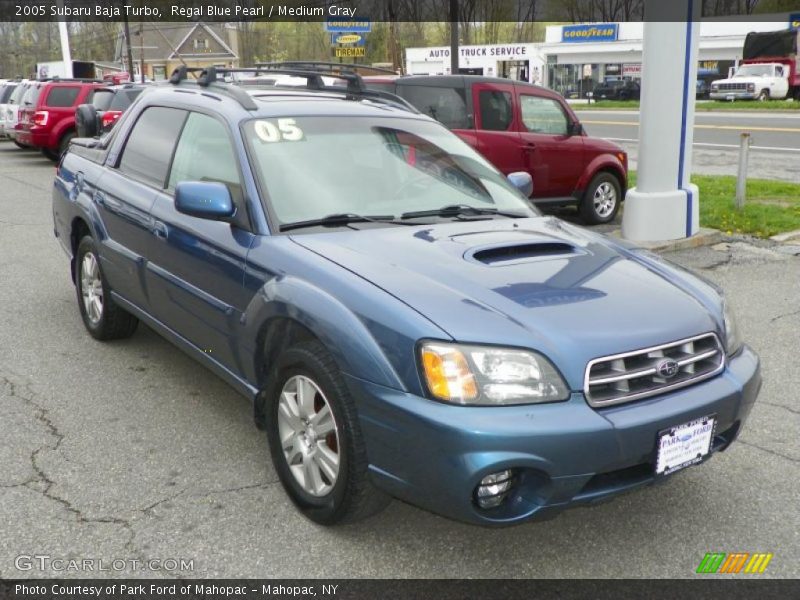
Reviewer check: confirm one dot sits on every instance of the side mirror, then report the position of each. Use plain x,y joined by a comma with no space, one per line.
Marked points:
86,120
522,181
204,199
575,128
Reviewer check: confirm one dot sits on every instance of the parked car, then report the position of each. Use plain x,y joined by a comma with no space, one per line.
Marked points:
618,89
47,114
518,126
107,105
11,120
702,88
402,319
6,89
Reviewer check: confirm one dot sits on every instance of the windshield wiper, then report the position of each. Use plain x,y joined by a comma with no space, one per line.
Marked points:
455,210
341,219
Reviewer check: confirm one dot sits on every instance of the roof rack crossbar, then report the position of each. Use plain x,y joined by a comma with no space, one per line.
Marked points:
331,67
207,78
355,87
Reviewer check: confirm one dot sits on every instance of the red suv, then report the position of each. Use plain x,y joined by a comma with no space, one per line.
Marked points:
47,114
523,127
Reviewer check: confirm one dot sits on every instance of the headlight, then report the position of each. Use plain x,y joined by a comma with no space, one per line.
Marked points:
484,375
714,87
751,87
733,340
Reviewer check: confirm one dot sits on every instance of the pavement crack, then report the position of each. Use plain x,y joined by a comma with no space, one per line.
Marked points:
783,406
254,486
42,483
768,451
149,508
791,314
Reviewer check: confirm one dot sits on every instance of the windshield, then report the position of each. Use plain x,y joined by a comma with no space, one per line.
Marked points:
6,91
17,94
31,96
312,167
102,99
754,71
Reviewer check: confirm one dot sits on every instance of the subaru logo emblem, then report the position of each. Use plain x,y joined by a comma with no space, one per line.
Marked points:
667,368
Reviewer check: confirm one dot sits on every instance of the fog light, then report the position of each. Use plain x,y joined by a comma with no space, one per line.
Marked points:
493,489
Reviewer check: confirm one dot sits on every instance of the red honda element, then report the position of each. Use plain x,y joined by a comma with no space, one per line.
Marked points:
523,127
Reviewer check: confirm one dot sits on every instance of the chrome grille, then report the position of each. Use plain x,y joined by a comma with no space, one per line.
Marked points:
733,87
634,375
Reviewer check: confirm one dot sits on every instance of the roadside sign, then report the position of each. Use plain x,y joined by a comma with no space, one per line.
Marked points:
349,51
348,39
794,21
356,25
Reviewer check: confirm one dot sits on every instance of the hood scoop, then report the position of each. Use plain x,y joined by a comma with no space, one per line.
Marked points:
516,252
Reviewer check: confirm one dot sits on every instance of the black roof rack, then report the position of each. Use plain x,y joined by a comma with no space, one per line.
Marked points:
355,85
208,79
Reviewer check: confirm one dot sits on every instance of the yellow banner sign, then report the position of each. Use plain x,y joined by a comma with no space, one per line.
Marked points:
350,52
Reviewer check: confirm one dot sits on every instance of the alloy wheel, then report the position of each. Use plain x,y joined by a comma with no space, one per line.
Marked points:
91,288
605,199
309,435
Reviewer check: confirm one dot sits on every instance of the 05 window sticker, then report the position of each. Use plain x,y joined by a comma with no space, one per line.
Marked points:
282,130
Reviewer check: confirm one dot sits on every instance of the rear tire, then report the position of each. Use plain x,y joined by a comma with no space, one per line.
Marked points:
601,199
315,439
63,144
102,317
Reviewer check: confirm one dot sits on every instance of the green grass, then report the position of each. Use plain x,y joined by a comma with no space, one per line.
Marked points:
771,207
700,106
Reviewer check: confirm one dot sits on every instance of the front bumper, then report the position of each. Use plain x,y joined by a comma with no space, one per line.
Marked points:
566,454
733,95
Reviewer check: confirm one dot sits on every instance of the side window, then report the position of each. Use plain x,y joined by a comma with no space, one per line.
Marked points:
496,111
446,105
61,97
205,153
149,147
543,115
779,71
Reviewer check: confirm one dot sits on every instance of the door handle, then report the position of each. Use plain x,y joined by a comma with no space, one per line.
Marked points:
100,198
159,229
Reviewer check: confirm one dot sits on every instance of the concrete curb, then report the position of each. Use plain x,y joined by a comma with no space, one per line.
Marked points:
790,237
704,237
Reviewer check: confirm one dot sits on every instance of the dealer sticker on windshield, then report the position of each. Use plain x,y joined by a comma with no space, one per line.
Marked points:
684,445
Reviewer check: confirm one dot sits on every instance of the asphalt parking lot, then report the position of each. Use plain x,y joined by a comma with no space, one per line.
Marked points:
131,450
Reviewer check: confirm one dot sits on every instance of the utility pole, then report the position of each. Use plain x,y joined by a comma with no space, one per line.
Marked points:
454,37
141,51
129,50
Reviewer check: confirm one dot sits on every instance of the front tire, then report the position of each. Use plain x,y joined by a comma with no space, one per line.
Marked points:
315,439
102,317
763,96
601,199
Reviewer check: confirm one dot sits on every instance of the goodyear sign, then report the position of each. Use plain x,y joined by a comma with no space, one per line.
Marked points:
347,39
601,32
355,25
794,21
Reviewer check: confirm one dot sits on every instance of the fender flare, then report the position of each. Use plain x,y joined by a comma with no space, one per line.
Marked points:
604,162
340,330
58,132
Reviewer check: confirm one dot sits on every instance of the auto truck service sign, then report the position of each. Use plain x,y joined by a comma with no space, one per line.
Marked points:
601,32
